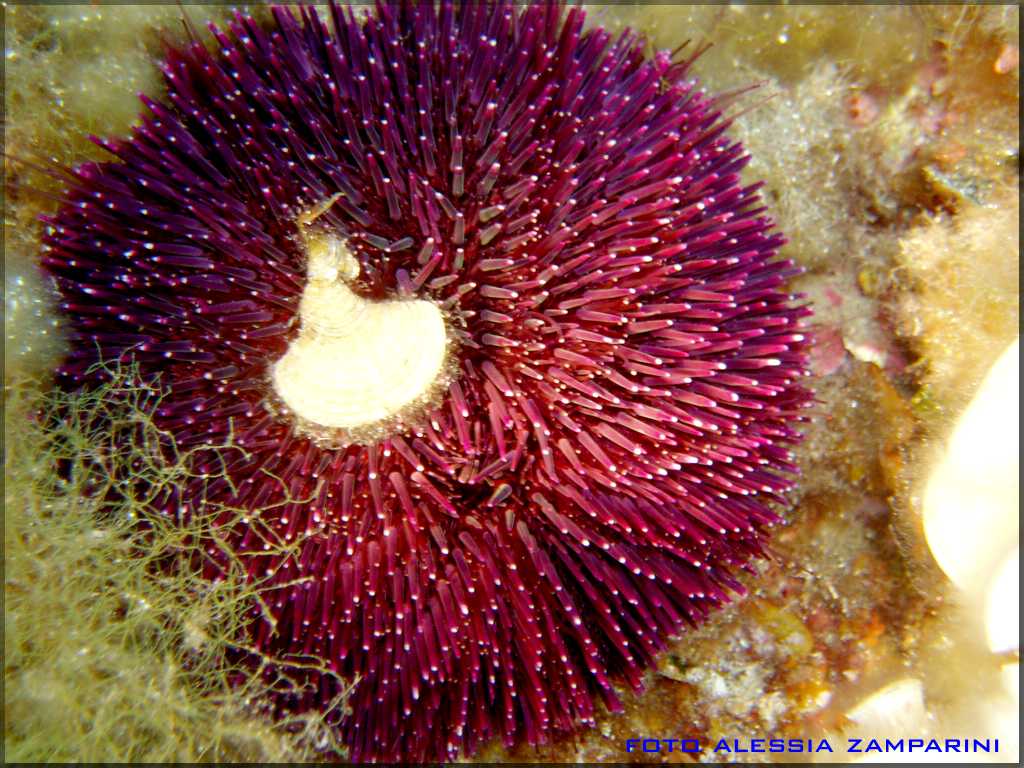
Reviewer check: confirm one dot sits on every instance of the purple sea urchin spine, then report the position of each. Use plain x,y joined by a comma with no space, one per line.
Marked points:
625,363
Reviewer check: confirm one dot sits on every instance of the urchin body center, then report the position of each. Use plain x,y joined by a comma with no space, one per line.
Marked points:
356,361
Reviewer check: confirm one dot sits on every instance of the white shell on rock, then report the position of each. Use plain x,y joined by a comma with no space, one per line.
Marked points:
1002,612
971,503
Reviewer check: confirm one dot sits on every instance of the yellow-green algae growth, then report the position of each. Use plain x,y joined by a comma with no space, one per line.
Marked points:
888,141
115,647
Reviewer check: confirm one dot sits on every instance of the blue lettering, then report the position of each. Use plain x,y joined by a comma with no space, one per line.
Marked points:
915,744
933,746
777,745
823,746
668,745
722,746
757,745
894,746
873,746
689,745
985,745
855,746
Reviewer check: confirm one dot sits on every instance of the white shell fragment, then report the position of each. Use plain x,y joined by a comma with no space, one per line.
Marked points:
356,361
972,499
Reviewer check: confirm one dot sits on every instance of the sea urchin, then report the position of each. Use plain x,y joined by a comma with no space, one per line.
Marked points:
502,336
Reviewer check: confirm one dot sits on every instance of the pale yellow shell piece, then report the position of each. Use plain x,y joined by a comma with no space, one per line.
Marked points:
356,361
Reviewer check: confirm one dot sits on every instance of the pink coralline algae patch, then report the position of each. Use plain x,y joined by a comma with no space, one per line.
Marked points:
828,353
627,361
